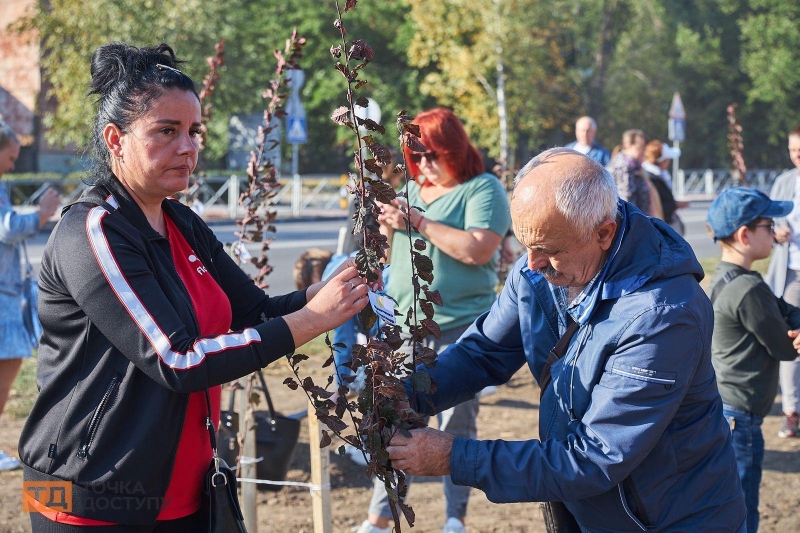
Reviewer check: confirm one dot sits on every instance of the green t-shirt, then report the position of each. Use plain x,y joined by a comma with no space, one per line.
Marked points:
467,290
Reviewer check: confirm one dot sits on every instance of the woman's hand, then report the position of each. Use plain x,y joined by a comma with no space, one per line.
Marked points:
334,302
393,215
350,262
48,203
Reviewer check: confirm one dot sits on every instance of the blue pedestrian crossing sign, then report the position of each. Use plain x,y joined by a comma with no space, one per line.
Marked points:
676,128
297,130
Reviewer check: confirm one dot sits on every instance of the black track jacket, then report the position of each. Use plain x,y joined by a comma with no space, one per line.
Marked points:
121,352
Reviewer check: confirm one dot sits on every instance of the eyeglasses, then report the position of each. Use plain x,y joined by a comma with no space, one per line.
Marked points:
430,155
771,226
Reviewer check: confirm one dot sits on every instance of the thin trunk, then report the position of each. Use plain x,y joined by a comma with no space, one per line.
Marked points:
606,45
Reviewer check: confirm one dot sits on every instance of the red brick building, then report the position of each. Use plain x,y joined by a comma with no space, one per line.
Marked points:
22,92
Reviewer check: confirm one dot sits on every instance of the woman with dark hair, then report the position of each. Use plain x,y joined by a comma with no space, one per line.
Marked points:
145,316
465,217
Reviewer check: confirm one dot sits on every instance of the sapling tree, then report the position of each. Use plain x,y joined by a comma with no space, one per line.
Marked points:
262,186
736,147
382,407
215,62
262,183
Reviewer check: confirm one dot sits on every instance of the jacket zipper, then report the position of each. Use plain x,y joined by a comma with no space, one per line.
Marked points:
625,503
94,423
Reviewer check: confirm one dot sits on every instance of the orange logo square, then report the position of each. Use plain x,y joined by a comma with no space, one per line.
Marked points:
46,496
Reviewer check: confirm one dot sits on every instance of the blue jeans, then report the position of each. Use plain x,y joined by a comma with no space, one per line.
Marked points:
748,444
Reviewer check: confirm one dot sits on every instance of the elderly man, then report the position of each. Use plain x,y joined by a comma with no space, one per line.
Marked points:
607,313
585,133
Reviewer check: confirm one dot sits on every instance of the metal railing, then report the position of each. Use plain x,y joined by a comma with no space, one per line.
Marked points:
327,192
710,182
297,194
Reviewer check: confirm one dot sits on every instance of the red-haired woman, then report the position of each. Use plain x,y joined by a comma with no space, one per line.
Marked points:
465,217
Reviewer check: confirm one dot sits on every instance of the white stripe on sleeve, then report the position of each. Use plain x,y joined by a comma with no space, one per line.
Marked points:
142,317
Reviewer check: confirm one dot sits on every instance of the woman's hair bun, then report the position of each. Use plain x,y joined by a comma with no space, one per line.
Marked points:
117,63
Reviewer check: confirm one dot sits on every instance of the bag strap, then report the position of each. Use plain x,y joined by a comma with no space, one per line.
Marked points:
28,267
729,276
558,351
269,399
210,427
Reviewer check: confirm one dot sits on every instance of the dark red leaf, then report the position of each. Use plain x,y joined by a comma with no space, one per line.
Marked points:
362,101
360,85
341,115
350,5
381,153
434,297
384,192
373,167
371,125
325,441
291,383
412,142
359,50
425,355
432,327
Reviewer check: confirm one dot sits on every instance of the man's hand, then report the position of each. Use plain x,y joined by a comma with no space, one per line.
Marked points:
426,453
782,234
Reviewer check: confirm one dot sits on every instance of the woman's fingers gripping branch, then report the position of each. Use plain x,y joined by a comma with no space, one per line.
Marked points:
341,297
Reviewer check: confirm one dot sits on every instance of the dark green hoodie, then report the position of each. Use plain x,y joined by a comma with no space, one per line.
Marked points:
750,339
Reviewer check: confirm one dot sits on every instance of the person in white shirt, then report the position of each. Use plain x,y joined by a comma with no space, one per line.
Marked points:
585,134
783,277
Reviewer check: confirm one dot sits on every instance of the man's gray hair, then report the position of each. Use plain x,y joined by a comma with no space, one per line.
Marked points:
586,196
592,121
7,135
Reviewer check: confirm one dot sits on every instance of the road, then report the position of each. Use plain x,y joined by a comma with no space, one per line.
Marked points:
293,238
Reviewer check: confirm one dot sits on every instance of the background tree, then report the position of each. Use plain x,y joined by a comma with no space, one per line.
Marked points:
456,48
618,60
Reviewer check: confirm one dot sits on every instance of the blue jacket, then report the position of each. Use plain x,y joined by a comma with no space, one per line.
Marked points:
14,228
597,152
633,435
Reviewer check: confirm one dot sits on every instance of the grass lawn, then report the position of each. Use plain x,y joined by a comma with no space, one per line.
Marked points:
23,390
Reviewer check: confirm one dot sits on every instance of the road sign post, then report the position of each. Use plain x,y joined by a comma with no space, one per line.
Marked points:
676,131
296,130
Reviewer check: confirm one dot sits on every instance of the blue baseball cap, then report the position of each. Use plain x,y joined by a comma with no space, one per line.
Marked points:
739,206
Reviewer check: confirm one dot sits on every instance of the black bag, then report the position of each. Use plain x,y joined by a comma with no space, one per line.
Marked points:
220,497
276,438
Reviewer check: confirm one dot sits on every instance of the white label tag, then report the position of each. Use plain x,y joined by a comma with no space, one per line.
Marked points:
241,252
383,307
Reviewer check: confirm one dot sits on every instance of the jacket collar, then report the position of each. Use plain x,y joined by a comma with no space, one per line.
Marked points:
130,210
642,250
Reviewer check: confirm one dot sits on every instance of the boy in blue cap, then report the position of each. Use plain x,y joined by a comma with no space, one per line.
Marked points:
750,327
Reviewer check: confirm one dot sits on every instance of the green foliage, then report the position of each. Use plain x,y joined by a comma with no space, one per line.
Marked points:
23,390
458,45
71,30
617,58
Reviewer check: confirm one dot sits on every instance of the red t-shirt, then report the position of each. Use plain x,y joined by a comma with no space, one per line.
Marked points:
213,311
